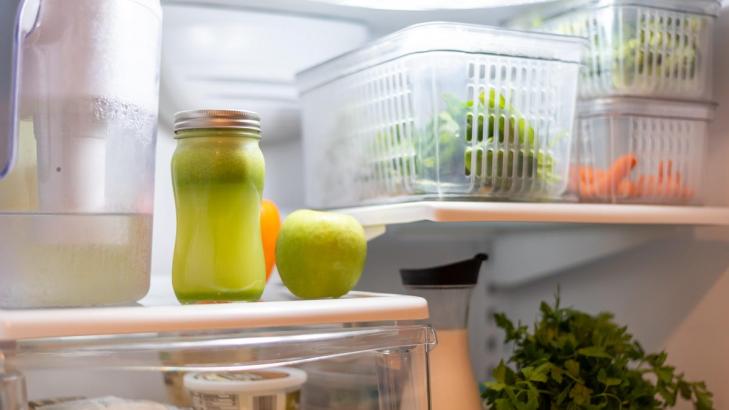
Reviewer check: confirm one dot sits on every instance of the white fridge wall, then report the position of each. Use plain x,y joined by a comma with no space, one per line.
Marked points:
222,57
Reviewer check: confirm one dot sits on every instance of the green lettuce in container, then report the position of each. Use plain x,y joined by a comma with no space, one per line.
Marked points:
511,148
640,51
454,143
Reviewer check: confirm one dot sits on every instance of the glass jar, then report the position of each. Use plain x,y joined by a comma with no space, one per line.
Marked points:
217,175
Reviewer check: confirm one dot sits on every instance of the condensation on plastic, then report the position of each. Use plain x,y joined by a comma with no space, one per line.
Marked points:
652,156
400,128
642,48
91,95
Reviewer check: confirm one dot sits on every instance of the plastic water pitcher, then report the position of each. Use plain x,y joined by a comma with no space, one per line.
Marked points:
448,292
79,90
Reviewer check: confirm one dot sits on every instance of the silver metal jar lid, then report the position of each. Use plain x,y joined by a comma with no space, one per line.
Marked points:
228,119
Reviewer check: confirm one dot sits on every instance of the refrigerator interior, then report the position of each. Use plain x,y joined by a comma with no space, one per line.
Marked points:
669,285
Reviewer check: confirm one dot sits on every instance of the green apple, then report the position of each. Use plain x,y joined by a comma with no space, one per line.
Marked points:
320,254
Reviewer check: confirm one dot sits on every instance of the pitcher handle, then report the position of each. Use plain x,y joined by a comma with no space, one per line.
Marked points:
9,79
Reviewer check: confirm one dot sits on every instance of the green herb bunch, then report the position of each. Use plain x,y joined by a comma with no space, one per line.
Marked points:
573,360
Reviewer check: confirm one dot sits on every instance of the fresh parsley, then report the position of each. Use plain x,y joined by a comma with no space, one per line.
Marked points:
573,361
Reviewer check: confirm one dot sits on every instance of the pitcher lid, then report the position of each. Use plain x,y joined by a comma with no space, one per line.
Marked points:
463,273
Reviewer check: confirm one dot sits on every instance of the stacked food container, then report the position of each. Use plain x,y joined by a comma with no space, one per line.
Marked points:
442,111
645,97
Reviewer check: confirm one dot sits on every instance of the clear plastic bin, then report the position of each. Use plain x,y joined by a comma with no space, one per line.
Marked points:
646,48
633,150
342,384
279,354
158,368
441,110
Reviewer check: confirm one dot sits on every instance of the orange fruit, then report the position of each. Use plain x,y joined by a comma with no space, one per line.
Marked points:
270,226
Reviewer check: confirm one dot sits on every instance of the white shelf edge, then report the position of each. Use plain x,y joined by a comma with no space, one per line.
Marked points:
436,211
357,307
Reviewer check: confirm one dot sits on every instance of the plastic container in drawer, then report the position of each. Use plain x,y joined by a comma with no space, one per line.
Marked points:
646,48
441,110
633,150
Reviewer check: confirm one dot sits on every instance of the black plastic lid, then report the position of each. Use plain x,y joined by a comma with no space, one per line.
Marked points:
462,273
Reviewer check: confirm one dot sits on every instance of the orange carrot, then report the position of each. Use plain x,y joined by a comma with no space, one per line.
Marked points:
626,189
588,175
586,190
574,180
619,170
677,190
686,193
649,185
665,169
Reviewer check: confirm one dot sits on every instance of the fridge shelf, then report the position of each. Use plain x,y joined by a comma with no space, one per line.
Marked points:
376,217
166,315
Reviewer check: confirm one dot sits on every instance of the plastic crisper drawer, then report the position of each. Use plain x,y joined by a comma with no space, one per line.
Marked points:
648,48
441,110
633,150
271,355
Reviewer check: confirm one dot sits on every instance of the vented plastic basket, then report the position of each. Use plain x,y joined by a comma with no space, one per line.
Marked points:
633,150
441,110
648,48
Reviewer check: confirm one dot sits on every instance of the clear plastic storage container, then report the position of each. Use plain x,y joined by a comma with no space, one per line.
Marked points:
633,150
276,355
441,110
647,48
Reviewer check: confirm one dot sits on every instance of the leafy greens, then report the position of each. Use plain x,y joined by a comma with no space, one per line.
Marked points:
572,361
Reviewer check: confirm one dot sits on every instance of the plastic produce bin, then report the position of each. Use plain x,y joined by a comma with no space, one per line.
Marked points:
633,150
646,48
342,384
272,355
441,110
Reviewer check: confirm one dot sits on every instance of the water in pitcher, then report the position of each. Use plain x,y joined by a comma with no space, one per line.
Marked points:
73,259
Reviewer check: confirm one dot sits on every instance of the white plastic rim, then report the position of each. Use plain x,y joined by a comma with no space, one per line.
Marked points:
440,36
707,7
647,107
292,379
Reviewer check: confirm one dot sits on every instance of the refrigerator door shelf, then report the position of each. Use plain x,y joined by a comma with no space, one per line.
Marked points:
357,307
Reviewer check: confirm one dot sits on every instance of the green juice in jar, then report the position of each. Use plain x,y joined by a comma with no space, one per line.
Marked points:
218,174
